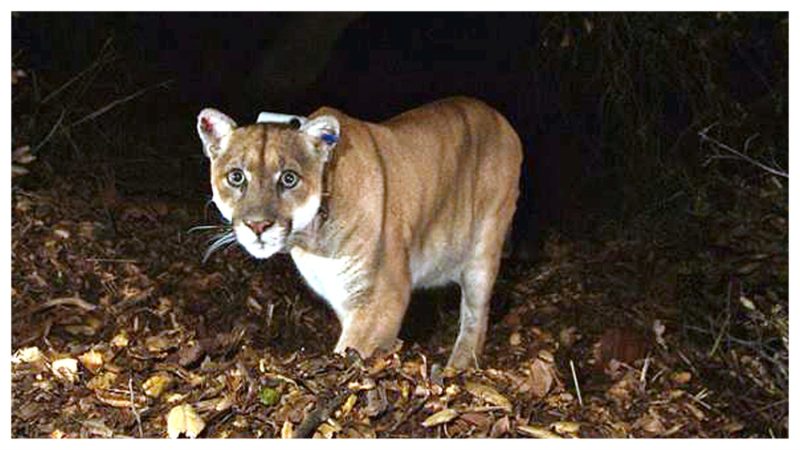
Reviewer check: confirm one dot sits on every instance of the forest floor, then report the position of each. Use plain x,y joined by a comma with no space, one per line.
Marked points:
120,329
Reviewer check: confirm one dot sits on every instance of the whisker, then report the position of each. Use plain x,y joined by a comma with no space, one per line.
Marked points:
206,227
220,242
219,236
222,239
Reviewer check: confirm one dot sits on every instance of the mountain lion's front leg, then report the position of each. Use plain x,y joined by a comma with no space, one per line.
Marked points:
374,321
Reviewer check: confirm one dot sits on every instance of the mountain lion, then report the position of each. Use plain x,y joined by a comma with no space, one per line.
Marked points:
370,211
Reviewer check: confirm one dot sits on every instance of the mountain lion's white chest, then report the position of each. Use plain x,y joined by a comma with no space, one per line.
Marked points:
335,279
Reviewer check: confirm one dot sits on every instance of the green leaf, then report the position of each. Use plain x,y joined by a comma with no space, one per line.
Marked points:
269,396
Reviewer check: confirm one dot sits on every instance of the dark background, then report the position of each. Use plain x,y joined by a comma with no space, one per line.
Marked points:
573,85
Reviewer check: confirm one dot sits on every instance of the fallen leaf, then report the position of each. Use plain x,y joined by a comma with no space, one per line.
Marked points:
102,381
568,336
696,412
565,427
348,405
478,419
26,355
16,75
658,331
622,391
500,428
650,423
537,432
681,377
190,353
175,397
183,419
92,360
115,398
287,430
624,345
157,384
443,416
120,340
269,396
98,428
376,402
224,403
452,390
329,429
65,369
488,394
57,434
747,303
161,343
541,378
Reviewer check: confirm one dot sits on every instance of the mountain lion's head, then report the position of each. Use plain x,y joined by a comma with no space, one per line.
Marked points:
266,178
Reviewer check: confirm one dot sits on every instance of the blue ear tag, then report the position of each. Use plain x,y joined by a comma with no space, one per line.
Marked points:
329,139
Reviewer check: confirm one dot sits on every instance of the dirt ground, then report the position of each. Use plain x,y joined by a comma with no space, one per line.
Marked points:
119,329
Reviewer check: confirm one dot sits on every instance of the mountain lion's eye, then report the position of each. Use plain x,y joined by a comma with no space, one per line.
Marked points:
289,179
236,177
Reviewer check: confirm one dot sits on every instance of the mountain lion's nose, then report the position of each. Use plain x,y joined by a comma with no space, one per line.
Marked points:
258,226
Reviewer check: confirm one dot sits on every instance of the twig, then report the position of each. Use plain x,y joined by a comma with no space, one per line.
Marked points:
706,138
52,131
408,413
699,398
643,377
113,260
657,375
756,346
270,310
718,339
688,363
481,409
325,407
76,150
766,407
118,102
575,380
71,301
80,74
133,407
248,379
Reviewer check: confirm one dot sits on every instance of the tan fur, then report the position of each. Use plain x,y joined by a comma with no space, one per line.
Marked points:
420,200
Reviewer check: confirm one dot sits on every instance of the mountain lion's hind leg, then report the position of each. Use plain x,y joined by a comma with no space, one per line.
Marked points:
477,280
476,292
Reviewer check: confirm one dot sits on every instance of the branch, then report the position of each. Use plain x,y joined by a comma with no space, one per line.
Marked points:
118,102
52,131
96,64
326,405
704,137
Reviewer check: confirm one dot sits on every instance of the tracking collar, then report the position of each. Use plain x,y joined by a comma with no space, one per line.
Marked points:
297,122
273,117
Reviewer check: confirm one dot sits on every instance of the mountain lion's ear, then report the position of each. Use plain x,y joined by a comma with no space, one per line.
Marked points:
324,133
212,126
